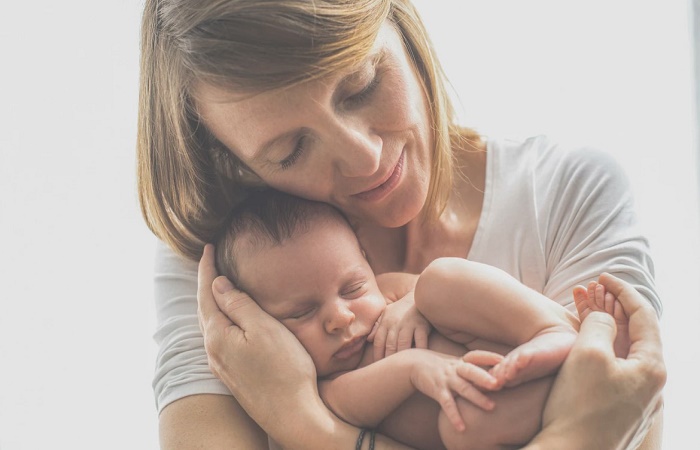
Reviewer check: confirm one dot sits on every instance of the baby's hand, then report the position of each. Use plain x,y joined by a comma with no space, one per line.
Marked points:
399,326
440,377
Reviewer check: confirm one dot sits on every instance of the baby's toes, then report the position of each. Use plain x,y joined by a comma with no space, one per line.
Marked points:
581,301
592,296
600,297
609,302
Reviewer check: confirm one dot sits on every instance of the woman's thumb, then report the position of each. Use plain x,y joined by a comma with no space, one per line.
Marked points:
597,332
235,304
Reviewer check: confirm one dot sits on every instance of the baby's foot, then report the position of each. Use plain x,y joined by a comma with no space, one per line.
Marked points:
597,298
540,356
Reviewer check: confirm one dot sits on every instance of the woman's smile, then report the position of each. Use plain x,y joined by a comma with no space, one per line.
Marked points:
386,186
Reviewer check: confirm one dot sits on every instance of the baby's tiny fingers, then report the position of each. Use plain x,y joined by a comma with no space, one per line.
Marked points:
379,344
449,406
391,346
421,337
482,358
477,375
468,392
405,339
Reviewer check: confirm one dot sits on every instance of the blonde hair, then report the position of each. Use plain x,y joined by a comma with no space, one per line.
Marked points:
187,180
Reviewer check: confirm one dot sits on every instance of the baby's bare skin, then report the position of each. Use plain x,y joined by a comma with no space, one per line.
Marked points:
541,356
596,297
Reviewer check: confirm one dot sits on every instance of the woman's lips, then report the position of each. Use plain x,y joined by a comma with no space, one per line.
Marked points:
351,348
379,192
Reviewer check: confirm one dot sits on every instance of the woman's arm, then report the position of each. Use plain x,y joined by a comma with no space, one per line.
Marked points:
195,408
208,421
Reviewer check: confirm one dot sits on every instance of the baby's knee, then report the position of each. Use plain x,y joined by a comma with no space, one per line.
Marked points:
433,280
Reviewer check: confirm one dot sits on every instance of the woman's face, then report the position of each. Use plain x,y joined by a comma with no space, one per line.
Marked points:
360,140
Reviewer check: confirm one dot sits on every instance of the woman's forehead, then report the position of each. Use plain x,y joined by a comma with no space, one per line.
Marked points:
387,40
244,121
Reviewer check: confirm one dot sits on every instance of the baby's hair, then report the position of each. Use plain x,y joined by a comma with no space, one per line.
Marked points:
266,218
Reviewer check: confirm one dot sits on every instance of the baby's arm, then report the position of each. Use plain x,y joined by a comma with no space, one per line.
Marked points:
366,396
465,300
400,325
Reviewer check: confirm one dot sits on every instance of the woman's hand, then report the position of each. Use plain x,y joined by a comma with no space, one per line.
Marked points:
260,361
594,390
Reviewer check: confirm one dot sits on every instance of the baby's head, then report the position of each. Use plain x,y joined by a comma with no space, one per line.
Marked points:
301,261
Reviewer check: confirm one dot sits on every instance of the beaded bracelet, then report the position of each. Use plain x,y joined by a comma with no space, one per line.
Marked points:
361,438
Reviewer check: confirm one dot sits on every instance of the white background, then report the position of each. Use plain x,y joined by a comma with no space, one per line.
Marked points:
76,311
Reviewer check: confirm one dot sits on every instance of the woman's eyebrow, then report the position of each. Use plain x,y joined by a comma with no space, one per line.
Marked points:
374,60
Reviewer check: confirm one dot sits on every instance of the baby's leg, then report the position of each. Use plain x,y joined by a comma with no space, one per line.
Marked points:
465,300
542,355
514,422
597,298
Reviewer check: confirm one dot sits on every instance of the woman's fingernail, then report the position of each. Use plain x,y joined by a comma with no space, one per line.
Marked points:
222,285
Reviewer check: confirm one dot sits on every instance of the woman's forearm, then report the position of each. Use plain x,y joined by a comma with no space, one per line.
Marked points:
209,421
315,427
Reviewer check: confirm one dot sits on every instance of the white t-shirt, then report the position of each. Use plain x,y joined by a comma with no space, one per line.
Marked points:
553,217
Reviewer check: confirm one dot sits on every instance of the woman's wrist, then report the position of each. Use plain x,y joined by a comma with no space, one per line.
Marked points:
315,426
310,424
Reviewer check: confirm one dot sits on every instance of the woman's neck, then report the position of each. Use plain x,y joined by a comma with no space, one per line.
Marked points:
412,247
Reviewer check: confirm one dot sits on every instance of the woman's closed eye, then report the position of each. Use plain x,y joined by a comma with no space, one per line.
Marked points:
296,153
365,93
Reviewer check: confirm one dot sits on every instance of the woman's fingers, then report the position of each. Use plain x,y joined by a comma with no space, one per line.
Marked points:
644,331
208,310
597,334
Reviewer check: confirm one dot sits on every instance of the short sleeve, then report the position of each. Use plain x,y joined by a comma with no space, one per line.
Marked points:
555,217
591,226
181,365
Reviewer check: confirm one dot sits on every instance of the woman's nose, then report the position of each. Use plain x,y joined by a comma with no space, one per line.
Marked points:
358,152
338,317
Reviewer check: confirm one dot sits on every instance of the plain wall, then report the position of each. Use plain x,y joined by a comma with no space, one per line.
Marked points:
76,311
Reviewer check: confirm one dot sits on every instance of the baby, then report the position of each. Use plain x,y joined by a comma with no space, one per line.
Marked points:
303,264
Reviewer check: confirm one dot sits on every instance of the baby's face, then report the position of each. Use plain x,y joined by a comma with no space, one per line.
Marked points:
321,287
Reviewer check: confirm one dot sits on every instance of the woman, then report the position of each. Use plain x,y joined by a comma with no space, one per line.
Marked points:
341,102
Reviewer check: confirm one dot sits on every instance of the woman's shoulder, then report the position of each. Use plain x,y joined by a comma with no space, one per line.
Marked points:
541,162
